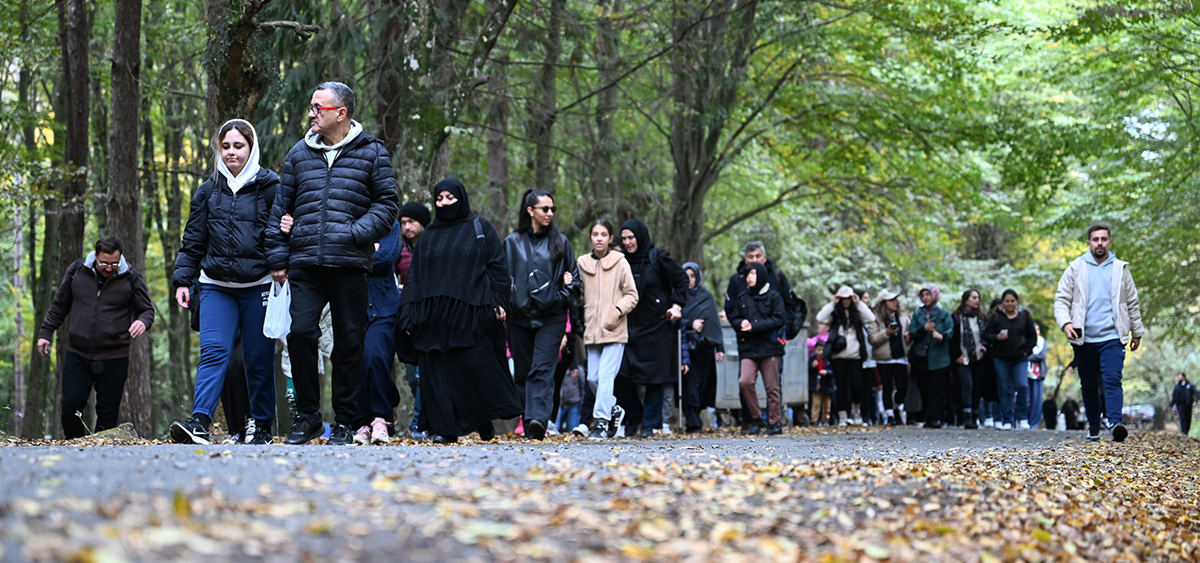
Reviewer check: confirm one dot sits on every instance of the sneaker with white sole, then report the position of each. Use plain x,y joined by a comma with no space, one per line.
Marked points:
1119,433
1005,426
617,420
1023,425
1093,434
190,431
362,436
379,431
580,431
599,430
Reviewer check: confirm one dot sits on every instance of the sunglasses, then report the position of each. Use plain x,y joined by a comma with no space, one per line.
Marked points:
547,208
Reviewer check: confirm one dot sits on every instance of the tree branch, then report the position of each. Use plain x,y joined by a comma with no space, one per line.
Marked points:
305,31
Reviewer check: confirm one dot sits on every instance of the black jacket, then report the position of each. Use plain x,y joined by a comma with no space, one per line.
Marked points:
1021,336
1184,395
795,310
537,289
100,313
339,211
226,232
765,311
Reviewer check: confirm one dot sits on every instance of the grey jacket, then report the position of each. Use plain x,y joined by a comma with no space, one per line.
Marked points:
1071,300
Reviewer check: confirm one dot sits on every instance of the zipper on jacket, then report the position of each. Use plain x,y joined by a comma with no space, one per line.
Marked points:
324,212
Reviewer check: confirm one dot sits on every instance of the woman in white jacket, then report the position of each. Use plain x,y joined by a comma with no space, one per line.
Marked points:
848,318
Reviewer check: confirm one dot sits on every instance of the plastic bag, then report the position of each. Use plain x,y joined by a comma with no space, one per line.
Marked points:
279,311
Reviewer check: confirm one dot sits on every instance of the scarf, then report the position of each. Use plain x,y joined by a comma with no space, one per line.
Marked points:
702,305
645,244
249,171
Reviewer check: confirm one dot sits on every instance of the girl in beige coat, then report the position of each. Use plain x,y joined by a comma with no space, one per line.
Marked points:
609,294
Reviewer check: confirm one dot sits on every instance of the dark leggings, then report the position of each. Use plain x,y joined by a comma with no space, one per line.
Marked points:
894,378
848,374
970,383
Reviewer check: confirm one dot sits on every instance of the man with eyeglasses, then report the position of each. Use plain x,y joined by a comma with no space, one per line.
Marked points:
337,198
99,294
1097,307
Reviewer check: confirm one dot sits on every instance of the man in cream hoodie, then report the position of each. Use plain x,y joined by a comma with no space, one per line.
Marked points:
1097,307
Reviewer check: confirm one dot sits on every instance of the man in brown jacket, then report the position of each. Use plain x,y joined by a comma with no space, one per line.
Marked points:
100,294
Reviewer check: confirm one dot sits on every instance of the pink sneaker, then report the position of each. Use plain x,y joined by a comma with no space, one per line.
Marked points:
363,435
379,431
520,431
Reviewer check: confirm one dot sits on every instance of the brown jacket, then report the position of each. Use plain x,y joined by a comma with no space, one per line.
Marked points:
100,314
609,294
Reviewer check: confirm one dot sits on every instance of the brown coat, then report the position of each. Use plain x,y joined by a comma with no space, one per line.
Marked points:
609,294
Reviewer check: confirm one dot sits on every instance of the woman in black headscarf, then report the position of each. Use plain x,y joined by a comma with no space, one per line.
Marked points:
652,353
453,306
706,346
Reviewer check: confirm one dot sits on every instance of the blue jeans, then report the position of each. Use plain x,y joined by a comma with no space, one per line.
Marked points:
1012,376
378,396
1096,362
225,312
1036,388
568,416
413,375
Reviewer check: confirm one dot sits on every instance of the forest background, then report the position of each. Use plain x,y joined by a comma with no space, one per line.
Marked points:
878,143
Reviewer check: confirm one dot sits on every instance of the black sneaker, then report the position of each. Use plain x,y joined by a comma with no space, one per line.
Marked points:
303,430
487,431
535,429
190,431
774,430
261,436
340,435
440,439
752,428
647,432
618,417
600,430
1119,433
1093,434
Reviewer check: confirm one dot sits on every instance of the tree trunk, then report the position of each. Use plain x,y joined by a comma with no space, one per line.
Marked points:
543,110
125,203
25,103
497,152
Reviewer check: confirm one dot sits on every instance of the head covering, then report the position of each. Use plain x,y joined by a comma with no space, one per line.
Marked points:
933,291
642,233
250,170
417,212
844,292
695,268
457,211
701,305
761,280
888,295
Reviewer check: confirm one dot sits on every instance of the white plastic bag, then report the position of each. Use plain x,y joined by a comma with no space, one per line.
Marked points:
279,311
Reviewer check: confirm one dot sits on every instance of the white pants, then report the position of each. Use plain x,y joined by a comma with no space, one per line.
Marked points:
604,361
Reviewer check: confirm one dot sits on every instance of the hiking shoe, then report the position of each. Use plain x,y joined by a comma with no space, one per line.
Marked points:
379,431
618,417
535,430
261,436
580,431
339,435
303,430
1119,433
487,431
774,430
190,431
362,436
600,430
1093,434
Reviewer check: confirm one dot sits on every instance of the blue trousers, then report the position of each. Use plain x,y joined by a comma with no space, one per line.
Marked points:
1036,389
224,313
1012,376
568,418
1096,362
378,396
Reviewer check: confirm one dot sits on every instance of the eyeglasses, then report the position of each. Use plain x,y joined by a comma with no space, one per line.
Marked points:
108,264
313,110
547,208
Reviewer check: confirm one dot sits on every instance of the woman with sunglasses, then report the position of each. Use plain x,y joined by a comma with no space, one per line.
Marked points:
545,284
224,251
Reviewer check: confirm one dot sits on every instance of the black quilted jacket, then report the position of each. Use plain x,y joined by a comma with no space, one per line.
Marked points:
339,211
225,232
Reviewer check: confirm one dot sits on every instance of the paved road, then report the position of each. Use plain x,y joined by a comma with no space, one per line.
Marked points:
55,499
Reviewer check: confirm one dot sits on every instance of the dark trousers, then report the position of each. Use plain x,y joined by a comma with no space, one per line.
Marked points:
704,365
933,390
848,379
535,355
345,290
1185,419
895,381
1100,363
970,384
235,394
412,375
80,375
648,410
378,396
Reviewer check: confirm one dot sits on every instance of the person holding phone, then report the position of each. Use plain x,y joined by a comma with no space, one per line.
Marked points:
890,338
1011,336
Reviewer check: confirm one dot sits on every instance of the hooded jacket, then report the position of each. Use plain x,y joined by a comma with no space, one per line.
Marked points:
764,308
100,313
225,236
342,199
1071,300
609,294
794,308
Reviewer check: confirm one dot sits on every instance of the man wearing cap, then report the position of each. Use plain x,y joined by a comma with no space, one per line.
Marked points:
414,217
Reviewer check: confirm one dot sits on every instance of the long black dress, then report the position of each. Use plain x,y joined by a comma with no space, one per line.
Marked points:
700,382
458,280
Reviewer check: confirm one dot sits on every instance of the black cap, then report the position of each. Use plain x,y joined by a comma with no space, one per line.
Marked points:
417,212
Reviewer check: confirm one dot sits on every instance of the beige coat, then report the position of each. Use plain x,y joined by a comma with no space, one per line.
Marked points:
609,294
881,349
1071,300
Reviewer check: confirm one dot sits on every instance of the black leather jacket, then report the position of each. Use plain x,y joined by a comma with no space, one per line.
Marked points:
537,289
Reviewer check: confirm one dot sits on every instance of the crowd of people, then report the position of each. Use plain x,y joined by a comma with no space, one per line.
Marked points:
488,327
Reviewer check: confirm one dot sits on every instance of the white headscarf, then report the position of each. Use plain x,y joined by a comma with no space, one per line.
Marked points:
249,171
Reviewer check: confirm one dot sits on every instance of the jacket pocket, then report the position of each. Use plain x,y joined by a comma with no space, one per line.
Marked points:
611,319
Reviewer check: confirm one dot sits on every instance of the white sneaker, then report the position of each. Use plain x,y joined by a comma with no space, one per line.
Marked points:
1006,426
666,429
552,430
580,431
1023,425
989,423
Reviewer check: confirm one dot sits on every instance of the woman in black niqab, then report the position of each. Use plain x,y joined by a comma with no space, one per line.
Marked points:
453,307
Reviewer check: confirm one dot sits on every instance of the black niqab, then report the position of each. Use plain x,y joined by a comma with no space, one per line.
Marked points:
458,211
642,233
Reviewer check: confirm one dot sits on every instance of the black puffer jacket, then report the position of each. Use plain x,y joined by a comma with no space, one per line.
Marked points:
538,292
339,211
764,309
226,232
